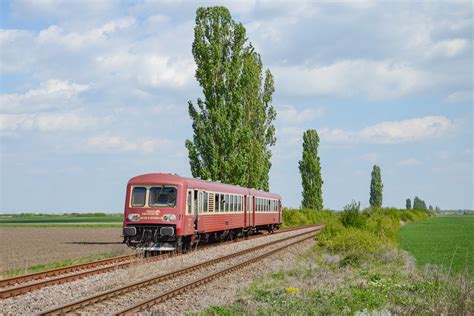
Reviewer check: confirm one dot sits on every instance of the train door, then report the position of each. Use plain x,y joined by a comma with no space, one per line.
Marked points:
195,209
189,211
249,211
200,205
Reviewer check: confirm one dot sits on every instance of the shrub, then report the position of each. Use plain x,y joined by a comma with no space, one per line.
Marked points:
292,217
353,240
351,217
383,226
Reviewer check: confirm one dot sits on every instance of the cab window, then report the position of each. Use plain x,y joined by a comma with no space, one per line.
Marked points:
163,196
138,196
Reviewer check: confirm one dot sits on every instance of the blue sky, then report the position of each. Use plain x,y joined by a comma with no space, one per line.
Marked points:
95,92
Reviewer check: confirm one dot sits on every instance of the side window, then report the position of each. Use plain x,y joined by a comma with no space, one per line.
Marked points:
217,202
226,203
205,201
200,200
138,196
189,202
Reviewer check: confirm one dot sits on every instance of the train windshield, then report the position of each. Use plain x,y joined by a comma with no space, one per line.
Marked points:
164,196
138,196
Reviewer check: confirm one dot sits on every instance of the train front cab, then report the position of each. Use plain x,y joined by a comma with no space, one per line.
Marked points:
152,220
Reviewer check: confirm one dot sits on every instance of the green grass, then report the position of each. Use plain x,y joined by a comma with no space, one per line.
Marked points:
447,241
58,264
357,267
60,221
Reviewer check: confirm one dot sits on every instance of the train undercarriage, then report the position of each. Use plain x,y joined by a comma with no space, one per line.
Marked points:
159,238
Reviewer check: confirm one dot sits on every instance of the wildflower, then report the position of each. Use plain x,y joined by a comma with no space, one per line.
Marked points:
292,290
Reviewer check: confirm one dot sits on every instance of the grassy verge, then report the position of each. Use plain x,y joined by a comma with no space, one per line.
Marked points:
58,264
356,267
447,241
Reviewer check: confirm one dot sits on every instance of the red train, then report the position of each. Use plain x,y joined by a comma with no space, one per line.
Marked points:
166,212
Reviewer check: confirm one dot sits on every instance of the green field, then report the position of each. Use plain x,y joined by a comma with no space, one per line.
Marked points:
60,220
448,241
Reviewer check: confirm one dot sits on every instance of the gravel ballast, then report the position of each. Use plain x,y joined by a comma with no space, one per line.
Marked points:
49,297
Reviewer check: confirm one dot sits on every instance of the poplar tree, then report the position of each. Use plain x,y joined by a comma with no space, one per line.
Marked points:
408,204
233,124
310,170
376,188
419,204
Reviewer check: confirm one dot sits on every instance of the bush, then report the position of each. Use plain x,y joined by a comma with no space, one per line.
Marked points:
383,226
351,217
352,240
292,217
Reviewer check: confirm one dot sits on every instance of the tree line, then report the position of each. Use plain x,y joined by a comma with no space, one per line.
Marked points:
233,124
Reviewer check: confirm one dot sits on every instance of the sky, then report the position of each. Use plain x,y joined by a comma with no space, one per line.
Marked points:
93,93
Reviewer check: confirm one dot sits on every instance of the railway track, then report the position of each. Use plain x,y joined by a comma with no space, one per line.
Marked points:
22,284
112,299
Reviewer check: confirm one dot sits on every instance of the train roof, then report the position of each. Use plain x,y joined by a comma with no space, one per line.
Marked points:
169,178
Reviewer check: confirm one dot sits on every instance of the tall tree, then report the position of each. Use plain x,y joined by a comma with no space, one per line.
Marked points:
419,204
408,204
376,188
310,170
233,126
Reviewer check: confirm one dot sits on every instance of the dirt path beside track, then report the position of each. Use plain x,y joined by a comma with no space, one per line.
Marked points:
23,247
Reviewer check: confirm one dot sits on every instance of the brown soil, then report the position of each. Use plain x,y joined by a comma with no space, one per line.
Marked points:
23,247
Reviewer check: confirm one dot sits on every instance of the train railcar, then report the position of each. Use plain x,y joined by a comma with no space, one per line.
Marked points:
165,212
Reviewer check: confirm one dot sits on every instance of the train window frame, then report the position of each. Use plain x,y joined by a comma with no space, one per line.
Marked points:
205,201
149,195
132,196
189,202
226,203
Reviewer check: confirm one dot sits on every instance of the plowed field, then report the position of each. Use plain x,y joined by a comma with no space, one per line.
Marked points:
23,247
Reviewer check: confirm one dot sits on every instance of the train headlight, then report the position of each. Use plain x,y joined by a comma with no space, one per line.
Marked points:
133,217
169,217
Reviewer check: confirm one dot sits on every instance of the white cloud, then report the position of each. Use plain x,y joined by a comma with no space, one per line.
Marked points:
392,132
56,35
460,96
406,130
448,48
290,115
49,122
373,79
409,162
50,94
15,50
110,143
149,69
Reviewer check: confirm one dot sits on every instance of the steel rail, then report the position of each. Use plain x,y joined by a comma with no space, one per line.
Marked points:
74,306
196,283
64,270
22,289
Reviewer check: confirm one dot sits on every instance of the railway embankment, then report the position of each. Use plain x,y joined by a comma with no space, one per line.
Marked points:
48,297
357,265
